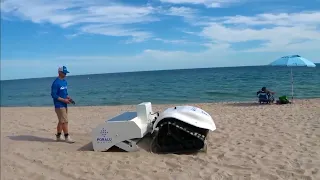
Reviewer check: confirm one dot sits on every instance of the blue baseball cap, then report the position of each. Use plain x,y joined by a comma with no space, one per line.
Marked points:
63,69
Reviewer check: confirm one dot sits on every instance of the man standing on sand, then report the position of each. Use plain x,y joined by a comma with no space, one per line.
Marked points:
61,99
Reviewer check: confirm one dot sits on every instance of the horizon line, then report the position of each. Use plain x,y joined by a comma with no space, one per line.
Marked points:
139,71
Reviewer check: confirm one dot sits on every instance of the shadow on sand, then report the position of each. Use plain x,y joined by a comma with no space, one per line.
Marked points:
30,138
89,147
143,144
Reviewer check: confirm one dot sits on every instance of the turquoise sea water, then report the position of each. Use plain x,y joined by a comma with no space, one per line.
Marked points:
170,86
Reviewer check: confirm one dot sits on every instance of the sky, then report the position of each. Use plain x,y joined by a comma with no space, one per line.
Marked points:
106,36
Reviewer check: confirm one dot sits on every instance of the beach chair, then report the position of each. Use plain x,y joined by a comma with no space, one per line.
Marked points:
176,130
265,98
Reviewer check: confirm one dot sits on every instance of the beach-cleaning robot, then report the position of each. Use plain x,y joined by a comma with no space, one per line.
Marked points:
176,130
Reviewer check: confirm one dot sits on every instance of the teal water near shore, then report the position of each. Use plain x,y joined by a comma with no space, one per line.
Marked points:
168,86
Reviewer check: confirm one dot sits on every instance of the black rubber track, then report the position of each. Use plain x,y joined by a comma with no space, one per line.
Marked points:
175,136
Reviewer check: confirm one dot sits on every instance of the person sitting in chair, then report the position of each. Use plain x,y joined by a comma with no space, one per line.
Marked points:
267,93
265,90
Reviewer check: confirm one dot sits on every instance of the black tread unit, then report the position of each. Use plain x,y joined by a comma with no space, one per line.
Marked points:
175,136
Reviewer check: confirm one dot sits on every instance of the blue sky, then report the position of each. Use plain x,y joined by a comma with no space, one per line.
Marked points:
103,36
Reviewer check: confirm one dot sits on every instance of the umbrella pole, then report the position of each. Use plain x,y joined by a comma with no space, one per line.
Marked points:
291,85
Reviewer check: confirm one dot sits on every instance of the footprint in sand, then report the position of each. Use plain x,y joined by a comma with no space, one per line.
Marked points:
299,171
268,176
315,171
291,175
259,142
220,156
173,166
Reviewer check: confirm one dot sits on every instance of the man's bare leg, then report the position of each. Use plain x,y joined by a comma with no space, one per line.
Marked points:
64,127
66,132
59,127
59,131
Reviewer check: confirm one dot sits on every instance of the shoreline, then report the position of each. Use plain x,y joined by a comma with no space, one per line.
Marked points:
164,104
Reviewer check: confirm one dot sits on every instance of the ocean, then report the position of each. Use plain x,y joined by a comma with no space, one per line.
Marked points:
168,86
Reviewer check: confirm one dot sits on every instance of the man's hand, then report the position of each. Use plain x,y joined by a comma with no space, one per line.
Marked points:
67,101
71,100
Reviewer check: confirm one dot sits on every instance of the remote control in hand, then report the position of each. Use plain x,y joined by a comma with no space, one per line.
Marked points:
72,101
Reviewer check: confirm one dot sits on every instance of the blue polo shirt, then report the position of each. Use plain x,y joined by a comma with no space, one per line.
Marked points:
59,89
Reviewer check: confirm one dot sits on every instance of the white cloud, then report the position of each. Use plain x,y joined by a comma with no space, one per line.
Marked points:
207,3
276,34
279,31
147,60
282,34
175,41
217,55
280,19
113,30
182,11
71,36
99,17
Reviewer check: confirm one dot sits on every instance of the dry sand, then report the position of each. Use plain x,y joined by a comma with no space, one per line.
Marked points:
251,142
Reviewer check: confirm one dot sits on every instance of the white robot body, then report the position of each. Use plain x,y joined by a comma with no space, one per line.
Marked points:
177,129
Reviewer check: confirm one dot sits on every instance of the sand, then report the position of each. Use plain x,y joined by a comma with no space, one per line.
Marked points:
251,142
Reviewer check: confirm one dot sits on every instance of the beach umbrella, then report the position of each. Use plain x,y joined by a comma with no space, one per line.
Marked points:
293,61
